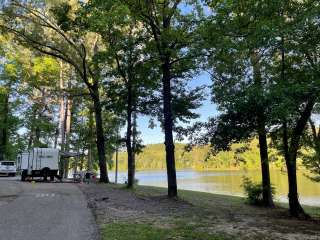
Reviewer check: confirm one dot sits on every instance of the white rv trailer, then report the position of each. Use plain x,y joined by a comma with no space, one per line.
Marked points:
38,162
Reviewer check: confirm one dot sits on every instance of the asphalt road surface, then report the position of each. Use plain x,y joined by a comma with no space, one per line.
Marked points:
50,211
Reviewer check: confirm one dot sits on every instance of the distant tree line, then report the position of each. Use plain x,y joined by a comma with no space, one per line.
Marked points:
240,156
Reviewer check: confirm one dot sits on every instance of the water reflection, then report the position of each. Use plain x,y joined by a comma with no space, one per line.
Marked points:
229,182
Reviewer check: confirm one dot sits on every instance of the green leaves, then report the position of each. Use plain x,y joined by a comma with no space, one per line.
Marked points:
61,13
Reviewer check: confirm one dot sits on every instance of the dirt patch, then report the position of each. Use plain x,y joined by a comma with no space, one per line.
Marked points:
208,213
112,203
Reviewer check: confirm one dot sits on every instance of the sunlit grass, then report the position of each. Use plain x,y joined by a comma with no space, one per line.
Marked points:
138,231
313,211
207,200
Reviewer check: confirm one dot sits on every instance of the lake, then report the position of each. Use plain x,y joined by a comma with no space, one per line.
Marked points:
228,182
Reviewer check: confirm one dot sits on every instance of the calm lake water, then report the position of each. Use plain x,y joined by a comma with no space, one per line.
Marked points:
228,182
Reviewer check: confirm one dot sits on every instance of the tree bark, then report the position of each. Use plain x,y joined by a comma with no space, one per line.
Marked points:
168,129
291,152
56,136
264,158
2,151
4,130
164,53
129,137
95,95
37,137
261,129
134,137
296,209
30,140
91,141
116,170
64,140
62,119
68,116
100,135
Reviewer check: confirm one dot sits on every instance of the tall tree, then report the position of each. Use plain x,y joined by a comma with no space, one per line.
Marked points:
128,78
173,39
11,98
49,29
297,73
239,60
281,82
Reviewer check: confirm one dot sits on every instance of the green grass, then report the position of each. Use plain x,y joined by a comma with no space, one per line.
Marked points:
195,223
311,210
210,200
130,231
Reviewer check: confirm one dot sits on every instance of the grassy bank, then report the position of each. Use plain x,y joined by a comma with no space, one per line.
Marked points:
145,213
210,200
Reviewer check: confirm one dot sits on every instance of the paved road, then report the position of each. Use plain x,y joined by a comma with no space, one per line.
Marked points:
48,211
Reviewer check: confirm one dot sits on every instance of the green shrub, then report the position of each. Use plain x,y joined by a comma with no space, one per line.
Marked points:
253,191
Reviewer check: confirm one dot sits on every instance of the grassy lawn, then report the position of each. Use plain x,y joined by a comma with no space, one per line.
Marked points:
313,211
208,200
176,228
206,217
129,231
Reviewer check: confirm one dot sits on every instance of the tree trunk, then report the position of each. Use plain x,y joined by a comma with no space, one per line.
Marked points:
4,130
100,135
95,95
134,137
68,116
294,205
64,145
296,209
117,157
164,53
37,137
129,137
168,129
62,119
261,127
264,158
2,151
30,140
91,141
116,170
56,136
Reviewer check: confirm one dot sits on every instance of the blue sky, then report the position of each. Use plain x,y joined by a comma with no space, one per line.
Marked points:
208,109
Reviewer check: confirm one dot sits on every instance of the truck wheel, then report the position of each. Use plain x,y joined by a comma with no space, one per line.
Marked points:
51,177
23,176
